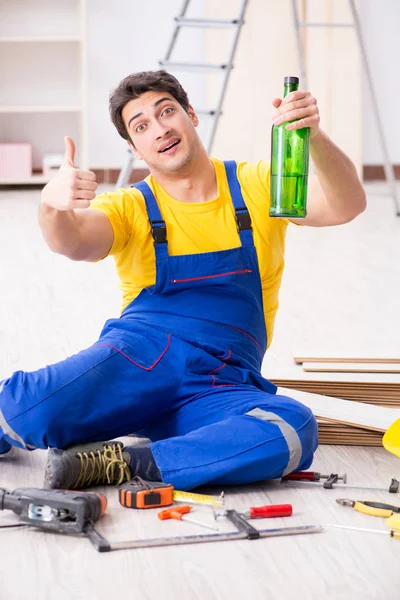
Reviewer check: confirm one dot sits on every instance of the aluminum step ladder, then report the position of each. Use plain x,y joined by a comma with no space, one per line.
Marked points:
214,114
389,169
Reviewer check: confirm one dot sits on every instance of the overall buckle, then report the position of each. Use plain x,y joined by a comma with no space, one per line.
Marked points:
159,233
243,220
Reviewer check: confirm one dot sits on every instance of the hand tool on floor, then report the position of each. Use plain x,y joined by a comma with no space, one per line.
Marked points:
329,485
244,531
178,512
391,533
56,510
139,493
315,476
374,509
260,512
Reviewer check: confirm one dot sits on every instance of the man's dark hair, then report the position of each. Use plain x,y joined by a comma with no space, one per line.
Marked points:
137,84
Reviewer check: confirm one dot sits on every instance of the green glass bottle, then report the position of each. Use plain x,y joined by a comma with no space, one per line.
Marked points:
290,151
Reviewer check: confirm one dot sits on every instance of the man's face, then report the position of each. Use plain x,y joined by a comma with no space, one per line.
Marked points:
162,133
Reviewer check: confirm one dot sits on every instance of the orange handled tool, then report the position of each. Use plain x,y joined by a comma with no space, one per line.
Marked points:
178,512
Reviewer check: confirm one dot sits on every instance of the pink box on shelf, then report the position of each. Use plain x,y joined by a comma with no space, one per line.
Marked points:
15,161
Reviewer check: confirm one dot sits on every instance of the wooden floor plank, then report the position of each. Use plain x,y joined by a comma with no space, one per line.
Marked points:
363,415
343,367
299,360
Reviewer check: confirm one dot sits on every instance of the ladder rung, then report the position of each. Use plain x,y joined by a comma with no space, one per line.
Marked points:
190,66
218,23
304,24
206,113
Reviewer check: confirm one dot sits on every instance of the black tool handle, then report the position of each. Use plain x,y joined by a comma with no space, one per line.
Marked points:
333,478
98,541
242,525
382,505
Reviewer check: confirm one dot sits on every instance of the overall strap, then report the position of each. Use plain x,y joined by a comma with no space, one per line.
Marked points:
158,228
243,219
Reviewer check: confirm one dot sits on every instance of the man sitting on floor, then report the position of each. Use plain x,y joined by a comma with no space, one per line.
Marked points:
200,263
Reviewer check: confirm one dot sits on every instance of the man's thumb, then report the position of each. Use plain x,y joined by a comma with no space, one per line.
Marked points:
69,156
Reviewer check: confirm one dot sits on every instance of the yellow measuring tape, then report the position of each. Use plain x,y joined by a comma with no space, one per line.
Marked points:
193,498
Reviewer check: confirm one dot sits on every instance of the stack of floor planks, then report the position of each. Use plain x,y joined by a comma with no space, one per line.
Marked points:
378,393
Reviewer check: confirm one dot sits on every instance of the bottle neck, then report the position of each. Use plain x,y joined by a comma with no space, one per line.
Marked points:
290,87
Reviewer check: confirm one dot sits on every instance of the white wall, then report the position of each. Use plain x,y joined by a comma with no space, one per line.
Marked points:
380,22
265,54
132,36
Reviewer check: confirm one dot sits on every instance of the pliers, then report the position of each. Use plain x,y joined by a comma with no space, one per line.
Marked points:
375,509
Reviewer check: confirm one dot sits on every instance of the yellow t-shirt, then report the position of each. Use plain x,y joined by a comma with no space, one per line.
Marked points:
196,228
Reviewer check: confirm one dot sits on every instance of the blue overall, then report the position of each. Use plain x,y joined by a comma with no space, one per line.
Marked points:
181,366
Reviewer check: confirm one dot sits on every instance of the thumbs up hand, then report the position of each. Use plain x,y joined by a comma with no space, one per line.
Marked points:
72,187
69,156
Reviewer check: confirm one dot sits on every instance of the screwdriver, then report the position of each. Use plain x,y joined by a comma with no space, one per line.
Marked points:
261,512
178,512
392,533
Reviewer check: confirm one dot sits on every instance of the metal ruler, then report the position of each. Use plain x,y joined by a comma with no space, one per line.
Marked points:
245,531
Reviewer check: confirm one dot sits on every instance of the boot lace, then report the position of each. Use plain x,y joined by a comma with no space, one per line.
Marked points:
103,466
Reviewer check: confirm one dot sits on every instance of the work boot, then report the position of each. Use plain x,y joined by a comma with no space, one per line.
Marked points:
98,463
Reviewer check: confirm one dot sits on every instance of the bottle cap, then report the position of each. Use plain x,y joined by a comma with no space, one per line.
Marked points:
291,80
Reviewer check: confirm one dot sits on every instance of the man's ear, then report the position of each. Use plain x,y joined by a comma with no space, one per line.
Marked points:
194,118
135,152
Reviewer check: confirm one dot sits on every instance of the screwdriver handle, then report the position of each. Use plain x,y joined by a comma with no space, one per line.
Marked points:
273,510
176,512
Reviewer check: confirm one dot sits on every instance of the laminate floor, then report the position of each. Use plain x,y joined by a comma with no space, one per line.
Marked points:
340,296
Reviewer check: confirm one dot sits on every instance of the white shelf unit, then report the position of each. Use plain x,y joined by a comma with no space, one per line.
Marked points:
43,94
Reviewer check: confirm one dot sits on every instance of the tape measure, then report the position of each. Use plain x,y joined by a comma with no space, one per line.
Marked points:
139,493
193,498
